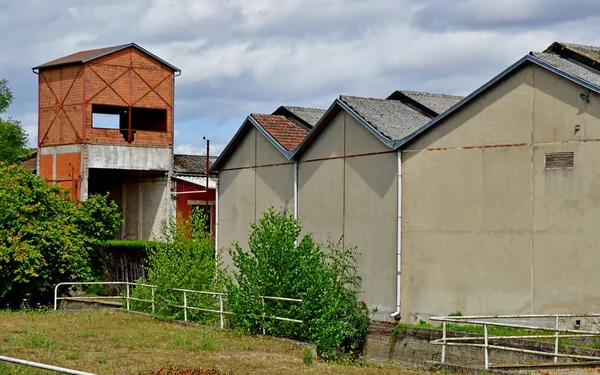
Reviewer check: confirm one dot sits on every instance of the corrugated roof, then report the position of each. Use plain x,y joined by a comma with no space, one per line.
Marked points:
591,52
286,132
200,181
570,66
310,115
191,164
82,57
437,103
393,119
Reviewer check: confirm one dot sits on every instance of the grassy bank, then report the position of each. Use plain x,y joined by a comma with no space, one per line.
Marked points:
120,343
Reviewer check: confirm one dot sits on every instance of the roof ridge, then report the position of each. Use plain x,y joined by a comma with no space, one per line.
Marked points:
361,97
430,93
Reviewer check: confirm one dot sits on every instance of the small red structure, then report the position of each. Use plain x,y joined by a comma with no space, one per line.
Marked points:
190,190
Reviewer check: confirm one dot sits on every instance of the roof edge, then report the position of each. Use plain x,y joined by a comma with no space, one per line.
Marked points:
510,69
115,49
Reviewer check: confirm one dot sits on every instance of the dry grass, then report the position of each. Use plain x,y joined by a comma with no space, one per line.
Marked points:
105,342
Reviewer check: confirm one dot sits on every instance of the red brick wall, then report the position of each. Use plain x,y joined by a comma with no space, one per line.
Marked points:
124,78
184,209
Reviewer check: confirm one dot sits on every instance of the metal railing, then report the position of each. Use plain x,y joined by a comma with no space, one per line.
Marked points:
62,370
185,306
554,332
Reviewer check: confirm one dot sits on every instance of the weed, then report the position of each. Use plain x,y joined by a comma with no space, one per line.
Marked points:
74,356
307,356
38,340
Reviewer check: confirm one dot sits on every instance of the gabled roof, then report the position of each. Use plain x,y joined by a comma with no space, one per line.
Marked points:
191,164
283,133
82,57
306,116
388,120
567,68
431,104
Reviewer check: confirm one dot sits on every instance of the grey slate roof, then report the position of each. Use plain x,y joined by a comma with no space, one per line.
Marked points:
309,115
569,66
438,103
191,164
391,118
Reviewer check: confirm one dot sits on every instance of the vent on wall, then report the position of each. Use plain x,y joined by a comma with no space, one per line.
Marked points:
559,160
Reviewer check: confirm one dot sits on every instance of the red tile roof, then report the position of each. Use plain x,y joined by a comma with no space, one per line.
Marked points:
286,132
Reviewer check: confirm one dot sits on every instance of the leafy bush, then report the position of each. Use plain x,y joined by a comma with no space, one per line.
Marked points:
46,237
185,260
324,277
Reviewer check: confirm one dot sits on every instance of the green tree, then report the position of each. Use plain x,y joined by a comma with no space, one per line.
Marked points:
323,276
46,237
13,138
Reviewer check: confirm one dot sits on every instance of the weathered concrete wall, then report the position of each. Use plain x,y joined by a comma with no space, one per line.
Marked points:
486,227
347,189
255,177
129,157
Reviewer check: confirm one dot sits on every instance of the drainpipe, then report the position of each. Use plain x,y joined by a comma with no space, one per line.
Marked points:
296,195
216,226
396,314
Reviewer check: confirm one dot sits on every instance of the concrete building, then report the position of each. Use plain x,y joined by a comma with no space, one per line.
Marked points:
189,187
484,204
105,124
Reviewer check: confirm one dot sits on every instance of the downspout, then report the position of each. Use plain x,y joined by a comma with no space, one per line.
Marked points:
396,314
216,226
296,195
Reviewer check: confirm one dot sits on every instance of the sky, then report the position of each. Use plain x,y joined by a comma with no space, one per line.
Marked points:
250,56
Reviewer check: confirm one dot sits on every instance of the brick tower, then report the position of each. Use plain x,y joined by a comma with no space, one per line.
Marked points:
105,124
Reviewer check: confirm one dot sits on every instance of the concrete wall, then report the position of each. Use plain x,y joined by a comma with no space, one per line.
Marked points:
486,228
347,189
256,176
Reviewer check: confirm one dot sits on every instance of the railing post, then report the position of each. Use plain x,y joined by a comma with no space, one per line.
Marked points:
184,306
56,296
127,296
264,314
485,338
152,299
556,339
221,308
444,342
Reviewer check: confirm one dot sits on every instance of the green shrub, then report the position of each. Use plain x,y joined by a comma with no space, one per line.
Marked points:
46,237
323,276
185,259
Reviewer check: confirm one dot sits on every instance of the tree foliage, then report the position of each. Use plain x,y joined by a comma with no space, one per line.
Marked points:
13,138
323,276
184,259
45,237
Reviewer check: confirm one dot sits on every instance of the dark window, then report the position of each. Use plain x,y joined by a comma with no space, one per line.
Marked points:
202,208
149,119
560,160
109,116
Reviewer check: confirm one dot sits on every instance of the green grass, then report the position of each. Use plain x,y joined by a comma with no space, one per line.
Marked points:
117,343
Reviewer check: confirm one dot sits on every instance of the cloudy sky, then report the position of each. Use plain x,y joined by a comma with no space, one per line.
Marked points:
242,56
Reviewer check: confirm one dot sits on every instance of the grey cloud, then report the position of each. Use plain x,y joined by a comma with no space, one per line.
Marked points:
440,15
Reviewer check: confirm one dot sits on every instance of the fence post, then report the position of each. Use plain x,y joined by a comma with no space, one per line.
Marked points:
264,314
485,338
444,342
221,308
556,339
56,296
152,299
184,306
127,296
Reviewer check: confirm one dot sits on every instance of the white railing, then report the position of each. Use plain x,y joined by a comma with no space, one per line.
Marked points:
185,305
44,366
496,320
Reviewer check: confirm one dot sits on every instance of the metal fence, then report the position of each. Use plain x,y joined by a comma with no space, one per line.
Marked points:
552,332
185,292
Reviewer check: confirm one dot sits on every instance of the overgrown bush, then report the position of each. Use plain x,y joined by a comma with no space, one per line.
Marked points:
323,276
183,259
46,237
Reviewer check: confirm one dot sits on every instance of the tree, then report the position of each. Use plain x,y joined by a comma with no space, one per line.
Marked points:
277,264
13,138
46,237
